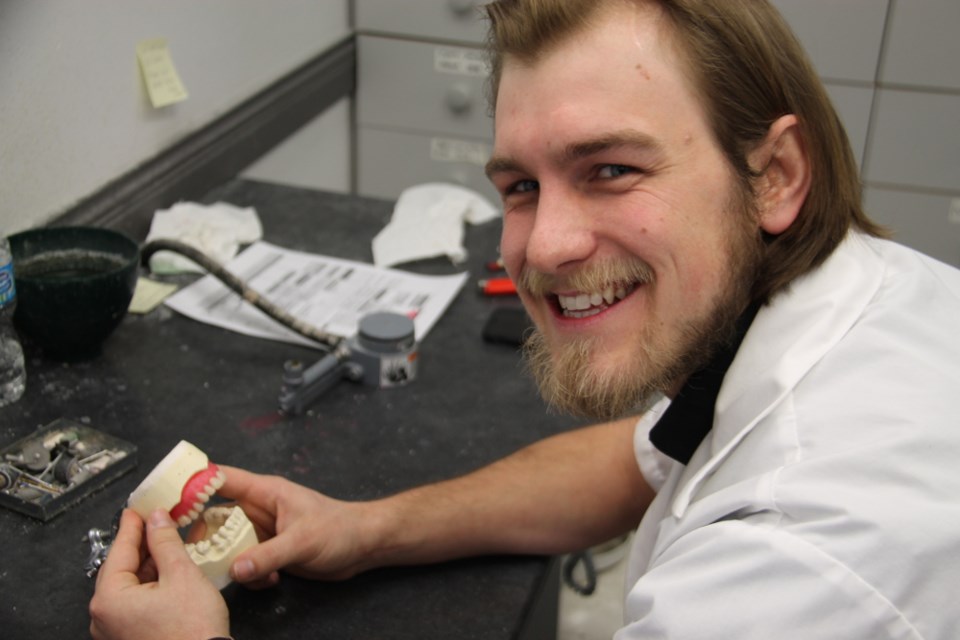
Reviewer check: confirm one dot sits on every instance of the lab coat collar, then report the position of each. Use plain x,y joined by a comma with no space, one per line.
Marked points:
787,338
689,418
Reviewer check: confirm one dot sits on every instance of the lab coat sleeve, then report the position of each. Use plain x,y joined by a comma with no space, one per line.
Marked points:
748,579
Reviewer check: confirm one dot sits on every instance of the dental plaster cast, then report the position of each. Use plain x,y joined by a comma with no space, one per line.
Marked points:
183,483
228,533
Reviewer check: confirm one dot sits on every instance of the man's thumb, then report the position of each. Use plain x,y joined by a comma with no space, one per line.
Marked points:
164,541
257,567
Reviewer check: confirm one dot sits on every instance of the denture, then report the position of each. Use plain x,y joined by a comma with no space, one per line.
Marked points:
183,483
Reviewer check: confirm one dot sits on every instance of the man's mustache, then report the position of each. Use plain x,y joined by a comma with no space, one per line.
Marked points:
593,277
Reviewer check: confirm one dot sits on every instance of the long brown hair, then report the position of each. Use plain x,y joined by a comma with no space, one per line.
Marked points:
749,70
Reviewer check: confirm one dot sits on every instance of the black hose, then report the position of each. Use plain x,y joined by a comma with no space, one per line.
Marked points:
589,585
217,270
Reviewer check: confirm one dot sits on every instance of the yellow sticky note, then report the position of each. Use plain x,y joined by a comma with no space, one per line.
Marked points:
149,294
163,82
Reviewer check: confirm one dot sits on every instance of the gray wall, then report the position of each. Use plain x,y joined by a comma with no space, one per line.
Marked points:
891,67
73,111
317,156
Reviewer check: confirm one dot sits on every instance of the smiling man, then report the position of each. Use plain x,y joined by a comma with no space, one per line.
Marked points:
682,216
624,224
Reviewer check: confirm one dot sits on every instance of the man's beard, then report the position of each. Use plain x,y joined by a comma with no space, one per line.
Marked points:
570,382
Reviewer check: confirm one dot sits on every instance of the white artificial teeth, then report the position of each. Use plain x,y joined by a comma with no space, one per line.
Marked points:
229,532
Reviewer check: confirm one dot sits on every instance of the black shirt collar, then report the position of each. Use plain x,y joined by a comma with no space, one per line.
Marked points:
689,418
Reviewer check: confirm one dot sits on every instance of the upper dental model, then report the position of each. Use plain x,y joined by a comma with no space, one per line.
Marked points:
183,483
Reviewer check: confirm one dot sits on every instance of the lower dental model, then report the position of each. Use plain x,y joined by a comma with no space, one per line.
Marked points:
228,533
183,483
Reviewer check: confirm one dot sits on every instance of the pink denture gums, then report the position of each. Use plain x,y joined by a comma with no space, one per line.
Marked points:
195,486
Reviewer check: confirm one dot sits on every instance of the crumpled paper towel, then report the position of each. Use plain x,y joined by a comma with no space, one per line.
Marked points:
428,222
217,230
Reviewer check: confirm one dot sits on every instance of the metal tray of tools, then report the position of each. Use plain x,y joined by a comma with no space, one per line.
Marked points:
61,463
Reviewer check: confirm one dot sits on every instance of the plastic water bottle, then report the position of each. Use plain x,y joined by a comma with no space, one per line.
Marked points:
13,375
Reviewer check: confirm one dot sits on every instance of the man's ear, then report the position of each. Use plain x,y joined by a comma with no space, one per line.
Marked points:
784,168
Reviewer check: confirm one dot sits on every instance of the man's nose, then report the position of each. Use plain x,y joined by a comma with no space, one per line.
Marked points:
562,235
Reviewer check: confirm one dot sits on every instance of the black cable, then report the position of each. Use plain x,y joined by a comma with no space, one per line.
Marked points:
241,288
587,587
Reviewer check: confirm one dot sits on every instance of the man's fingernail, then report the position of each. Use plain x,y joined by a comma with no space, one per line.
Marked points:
160,518
242,570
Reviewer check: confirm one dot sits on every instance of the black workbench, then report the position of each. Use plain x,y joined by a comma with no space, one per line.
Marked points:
162,377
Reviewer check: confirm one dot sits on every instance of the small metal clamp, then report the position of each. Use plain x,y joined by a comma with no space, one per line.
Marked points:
99,548
100,541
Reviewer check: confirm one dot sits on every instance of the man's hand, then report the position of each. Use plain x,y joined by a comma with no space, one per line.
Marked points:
180,603
301,531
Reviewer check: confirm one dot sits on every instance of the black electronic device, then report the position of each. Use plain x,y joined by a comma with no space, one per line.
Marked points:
507,325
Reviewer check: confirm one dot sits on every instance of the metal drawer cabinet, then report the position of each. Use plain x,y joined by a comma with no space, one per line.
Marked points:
421,86
391,161
456,20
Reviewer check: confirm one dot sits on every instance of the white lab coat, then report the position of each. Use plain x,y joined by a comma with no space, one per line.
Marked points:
825,502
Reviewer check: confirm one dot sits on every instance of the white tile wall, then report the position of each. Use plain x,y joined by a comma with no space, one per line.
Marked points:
842,37
853,104
915,140
930,221
922,48
912,165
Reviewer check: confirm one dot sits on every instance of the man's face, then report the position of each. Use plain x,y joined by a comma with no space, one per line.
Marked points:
620,222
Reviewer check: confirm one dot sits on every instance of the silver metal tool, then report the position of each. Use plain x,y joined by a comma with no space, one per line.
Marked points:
382,354
99,540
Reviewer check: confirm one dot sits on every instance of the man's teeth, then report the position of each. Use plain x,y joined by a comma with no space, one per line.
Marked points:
588,304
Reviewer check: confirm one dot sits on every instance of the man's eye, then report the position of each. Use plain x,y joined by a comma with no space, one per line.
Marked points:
608,171
523,186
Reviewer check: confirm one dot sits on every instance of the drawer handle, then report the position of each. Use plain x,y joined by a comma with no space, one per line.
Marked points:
459,98
462,7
